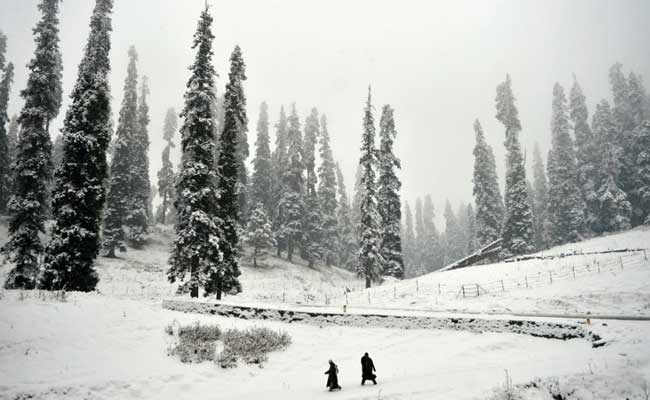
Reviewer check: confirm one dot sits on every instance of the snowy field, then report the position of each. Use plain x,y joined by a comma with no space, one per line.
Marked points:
112,345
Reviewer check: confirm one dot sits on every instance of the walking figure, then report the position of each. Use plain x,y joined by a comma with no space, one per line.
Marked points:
332,379
367,369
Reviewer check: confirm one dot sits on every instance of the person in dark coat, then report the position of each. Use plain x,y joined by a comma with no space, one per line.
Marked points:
332,379
367,369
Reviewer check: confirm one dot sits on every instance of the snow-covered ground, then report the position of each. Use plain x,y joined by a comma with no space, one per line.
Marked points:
112,345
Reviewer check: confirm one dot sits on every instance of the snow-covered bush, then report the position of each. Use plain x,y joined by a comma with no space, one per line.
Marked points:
251,345
195,343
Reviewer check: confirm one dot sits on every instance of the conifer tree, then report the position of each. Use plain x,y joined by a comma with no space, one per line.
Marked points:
614,209
388,198
487,195
292,203
262,179
642,172
79,193
347,242
199,244
421,240
33,164
517,230
3,50
637,100
311,249
327,197
369,261
120,198
12,146
230,181
432,252
586,156
408,241
138,216
166,173
455,240
540,201
470,232
565,206
356,200
5,156
279,163
259,234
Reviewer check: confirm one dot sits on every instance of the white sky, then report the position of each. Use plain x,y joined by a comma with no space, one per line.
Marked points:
437,63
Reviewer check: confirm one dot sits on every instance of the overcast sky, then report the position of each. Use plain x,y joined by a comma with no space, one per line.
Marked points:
437,63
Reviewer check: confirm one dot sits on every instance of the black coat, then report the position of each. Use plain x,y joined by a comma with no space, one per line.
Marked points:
367,368
332,379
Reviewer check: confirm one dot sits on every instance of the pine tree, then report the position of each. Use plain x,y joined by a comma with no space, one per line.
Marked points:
33,164
292,203
586,156
642,173
347,242
311,249
422,264
517,230
230,182
120,196
12,146
637,100
262,179
198,247
5,156
614,209
369,261
3,50
408,241
540,201
279,163
138,216
79,192
470,232
166,173
259,234
388,198
432,252
327,197
487,196
356,200
565,206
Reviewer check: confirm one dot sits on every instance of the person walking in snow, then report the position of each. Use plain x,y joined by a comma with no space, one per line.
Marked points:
332,379
367,369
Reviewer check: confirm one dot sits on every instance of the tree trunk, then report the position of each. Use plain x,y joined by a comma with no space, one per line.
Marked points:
290,252
164,209
194,270
367,282
219,290
255,257
111,253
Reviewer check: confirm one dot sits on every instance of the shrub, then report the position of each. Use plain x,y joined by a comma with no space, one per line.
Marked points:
196,343
251,345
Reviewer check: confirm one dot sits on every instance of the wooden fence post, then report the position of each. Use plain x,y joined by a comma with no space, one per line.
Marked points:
368,297
478,292
526,278
439,292
620,259
503,288
550,276
283,296
645,256
598,267
463,288
346,297
574,271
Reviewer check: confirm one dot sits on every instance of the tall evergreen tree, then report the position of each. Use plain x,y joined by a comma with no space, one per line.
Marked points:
408,241
421,240
540,201
5,156
347,242
33,164
3,50
388,198
356,200
138,217
517,230
487,195
231,183
279,163
120,196
614,209
432,251
327,197
312,248
200,242
642,172
262,179
79,193
565,206
586,156
292,203
166,173
12,146
637,101
370,261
